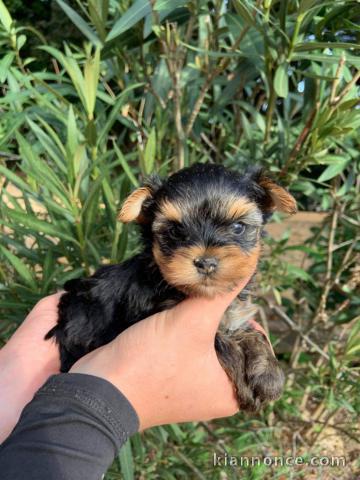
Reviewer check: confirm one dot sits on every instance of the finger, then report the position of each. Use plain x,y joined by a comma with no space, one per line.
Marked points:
206,313
41,318
28,342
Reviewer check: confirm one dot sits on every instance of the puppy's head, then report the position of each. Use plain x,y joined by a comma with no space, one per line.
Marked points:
205,224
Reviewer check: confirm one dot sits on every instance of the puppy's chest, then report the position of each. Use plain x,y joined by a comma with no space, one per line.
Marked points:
237,314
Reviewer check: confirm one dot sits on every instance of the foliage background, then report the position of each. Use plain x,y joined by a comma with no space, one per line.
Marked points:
97,94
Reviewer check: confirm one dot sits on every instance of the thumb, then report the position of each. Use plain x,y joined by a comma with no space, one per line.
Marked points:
204,314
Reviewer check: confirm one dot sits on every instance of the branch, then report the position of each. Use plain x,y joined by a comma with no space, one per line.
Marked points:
295,327
209,79
301,139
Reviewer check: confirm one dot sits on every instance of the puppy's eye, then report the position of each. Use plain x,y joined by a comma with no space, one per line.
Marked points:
172,232
238,228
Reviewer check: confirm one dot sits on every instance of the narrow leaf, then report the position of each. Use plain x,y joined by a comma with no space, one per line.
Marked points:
15,179
39,226
168,5
323,58
125,166
149,154
79,22
5,17
332,170
136,12
19,266
91,80
126,461
116,111
244,12
281,80
301,47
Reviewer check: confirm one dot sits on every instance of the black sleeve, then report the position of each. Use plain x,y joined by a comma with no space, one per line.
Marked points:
71,430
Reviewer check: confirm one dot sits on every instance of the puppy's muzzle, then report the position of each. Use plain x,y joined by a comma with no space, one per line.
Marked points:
206,265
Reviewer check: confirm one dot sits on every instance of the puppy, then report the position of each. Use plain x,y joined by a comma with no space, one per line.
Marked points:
201,231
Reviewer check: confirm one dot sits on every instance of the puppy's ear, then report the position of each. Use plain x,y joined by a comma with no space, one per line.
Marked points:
131,208
277,198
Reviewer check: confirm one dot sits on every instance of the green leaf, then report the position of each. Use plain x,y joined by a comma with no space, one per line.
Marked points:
149,154
65,276
125,165
304,46
246,126
72,132
49,146
277,295
20,41
5,64
244,12
72,68
39,226
115,111
91,80
98,12
329,159
323,58
15,179
298,273
126,461
80,23
136,12
306,5
212,53
353,342
48,265
332,170
5,17
40,172
20,267
168,4
281,80
258,118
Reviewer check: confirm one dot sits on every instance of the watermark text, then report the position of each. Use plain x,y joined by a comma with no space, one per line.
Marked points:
276,461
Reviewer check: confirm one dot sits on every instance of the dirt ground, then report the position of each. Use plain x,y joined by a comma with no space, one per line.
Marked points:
300,226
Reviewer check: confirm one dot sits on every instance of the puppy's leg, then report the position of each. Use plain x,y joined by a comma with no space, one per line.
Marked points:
247,358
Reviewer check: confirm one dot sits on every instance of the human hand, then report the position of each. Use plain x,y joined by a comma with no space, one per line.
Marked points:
26,362
167,366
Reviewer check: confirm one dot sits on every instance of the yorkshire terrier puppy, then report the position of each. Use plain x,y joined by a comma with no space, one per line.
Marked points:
201,231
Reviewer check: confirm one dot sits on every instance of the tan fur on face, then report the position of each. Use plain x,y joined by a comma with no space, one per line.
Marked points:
131,209
231,208
180,271
171,211
238,207
282,200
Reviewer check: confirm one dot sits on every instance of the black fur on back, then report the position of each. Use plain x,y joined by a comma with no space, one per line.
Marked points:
94,310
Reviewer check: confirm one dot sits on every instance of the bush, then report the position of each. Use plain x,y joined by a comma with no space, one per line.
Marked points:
158,85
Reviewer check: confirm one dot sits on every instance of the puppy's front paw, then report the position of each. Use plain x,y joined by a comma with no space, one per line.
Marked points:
246,356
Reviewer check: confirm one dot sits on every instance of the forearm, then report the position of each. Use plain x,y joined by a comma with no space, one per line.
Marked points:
72,428
20,378
26,362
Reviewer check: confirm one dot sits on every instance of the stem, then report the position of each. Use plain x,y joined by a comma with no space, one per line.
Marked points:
209,79
294,37
337,79
270,111
301,140
345,91
178,121
321,311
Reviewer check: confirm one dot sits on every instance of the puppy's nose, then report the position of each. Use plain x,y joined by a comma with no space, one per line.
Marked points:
206,264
